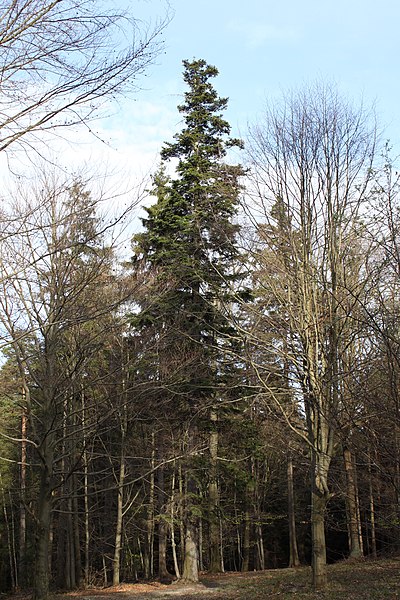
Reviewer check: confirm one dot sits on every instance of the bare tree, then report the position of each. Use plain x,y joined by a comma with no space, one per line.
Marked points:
60,60
57,303
311,160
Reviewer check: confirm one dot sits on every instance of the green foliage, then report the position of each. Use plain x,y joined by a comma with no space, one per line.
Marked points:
186,254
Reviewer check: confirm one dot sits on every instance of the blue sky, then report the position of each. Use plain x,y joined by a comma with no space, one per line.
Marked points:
263,48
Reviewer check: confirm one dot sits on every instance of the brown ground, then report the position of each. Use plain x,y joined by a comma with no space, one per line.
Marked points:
348,580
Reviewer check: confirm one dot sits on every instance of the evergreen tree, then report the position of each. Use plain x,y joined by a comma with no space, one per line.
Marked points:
186,256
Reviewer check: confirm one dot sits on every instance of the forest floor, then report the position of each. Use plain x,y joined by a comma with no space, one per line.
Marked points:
348,580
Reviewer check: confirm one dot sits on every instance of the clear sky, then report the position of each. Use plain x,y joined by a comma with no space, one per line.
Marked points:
261,48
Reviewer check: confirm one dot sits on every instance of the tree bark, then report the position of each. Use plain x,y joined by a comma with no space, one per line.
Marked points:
148,553
41,576
173,543
293,551
118,528
163,574
190,563
191,559
22,510
354,526
319,500
215,565
246,530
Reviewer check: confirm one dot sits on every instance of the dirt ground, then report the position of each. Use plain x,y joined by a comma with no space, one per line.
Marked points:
348,580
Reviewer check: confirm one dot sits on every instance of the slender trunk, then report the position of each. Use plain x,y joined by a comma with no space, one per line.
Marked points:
118,528
163,573
260,548
181,515
352,506
77,538
293,553
149,551
371,509
9,536
22,508
63,566
246,530
13,541
173,543
71,560
215,565
221,543
191,558
201,545
86,495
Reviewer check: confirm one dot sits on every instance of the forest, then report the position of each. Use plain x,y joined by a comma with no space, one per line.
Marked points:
223,393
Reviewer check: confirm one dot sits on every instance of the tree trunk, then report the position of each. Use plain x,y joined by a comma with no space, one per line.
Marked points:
354,525
149,551
293,551
22,509
71,559
371,508
41,578
246,530
77,540
190,563
163,574
191,559
173,543
318,506
260,548
86,494
215,565
118,528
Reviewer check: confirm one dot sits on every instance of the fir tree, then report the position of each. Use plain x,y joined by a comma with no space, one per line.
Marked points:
186,255
189,237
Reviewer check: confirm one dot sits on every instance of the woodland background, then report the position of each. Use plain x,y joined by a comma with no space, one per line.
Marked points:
223,394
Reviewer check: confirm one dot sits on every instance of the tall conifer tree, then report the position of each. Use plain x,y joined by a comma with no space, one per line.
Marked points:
186,255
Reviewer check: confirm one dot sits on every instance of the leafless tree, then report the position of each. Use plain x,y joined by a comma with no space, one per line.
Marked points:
61,60
58,303
311,159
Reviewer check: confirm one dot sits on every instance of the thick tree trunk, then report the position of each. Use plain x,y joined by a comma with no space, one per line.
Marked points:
190,570
318,507
319,500
190,563
293,551
41,575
